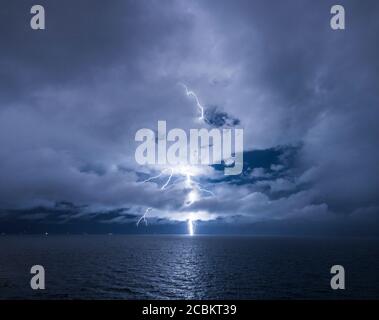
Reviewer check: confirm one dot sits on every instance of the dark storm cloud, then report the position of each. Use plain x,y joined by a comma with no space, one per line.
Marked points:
67,97
217,118
82,41
73,96
324,83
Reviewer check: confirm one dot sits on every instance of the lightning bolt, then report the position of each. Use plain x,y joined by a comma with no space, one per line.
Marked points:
193,195
195,187
168,180
190,227
143,218
159,175
199,187
190,93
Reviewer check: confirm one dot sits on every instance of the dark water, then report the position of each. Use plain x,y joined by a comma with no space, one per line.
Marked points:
181,267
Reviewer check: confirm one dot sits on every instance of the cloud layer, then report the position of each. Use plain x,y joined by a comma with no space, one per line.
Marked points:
73,96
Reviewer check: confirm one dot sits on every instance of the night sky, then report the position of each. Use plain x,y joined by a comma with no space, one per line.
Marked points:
73,96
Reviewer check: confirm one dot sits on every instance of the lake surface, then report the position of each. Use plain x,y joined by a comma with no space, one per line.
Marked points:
184,267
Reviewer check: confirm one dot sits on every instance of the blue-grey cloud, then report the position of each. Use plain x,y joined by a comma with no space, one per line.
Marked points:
216,118
73,96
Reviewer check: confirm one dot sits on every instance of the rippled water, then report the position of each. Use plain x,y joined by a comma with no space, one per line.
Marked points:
182,267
